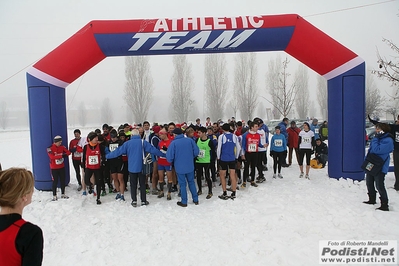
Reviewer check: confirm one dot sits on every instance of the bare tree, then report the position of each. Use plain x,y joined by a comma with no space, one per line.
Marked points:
3,114
393,103
216,82
106,111
322,95
373,96
139,86
245,85
283,96
389,69
182,86
232,106
302,99
261,110
82,114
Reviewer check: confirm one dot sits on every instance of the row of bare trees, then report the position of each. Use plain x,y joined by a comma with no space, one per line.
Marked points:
286,94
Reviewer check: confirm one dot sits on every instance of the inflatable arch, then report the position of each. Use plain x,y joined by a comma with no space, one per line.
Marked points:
344,70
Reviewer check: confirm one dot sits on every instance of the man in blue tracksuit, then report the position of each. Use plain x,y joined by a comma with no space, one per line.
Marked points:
181,154
135,149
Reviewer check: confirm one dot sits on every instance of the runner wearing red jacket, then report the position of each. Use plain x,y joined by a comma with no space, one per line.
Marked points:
57,153
293,133
76,156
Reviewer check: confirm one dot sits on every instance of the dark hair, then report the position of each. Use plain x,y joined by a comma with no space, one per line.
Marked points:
146,122
252,124
202,129
285,119
226,127
105,126
76,131
98,131
384,127
239,123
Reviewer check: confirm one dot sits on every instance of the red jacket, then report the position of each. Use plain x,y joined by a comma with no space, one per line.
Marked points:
76,152
56,154
293,138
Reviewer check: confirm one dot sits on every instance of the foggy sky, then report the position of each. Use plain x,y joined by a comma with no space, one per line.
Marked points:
31,29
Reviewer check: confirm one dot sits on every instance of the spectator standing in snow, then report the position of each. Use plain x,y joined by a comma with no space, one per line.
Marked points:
381,145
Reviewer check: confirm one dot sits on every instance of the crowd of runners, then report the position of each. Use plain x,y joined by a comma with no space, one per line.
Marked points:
163,159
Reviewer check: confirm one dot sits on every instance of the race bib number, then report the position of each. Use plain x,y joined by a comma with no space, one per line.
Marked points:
201,154
93,160
252,147
278,142
113,146
396,136
77,154
316,131
306,140
59,161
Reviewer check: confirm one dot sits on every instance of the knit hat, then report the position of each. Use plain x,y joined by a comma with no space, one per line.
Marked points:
57,139
177,131
156,129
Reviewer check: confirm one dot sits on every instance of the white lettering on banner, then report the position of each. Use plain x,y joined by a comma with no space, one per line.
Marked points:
203,25
142,38
161,25
216,23
197,42
168,40
191,21
254,23
225,39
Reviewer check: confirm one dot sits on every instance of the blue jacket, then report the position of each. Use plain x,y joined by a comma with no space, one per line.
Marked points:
283,129
181,153
316,130
282,147
382,145
135,149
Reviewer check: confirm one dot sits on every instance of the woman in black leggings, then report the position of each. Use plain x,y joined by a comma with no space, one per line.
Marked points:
306,138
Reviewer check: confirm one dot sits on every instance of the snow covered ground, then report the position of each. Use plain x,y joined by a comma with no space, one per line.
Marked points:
278,223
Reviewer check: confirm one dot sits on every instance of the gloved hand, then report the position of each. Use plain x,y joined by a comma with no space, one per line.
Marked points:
64,155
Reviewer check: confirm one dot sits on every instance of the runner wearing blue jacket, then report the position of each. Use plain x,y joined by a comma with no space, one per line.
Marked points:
278,150
135,149
181,153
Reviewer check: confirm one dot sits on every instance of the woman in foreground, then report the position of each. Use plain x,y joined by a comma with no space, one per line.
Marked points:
21,241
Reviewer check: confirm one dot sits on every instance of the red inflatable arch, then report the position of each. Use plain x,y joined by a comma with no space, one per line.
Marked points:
343,69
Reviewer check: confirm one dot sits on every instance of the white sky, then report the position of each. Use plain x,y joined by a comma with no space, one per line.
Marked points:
31,29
